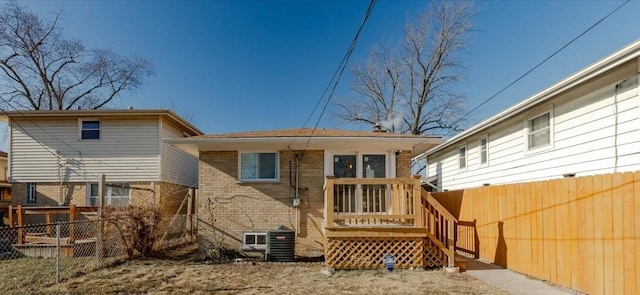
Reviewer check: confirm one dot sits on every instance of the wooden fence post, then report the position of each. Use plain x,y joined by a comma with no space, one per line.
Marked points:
72,224
20,225
189,209
100,232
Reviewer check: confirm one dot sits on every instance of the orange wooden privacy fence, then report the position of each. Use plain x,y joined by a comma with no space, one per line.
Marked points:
582,233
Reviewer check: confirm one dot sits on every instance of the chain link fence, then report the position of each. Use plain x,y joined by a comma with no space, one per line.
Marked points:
34,256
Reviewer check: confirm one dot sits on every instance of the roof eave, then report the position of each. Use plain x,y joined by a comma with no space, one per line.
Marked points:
619,57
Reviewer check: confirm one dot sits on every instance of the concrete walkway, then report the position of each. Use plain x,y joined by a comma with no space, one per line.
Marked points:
509,280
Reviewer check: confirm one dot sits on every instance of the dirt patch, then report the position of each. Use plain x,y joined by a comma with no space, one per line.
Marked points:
190,276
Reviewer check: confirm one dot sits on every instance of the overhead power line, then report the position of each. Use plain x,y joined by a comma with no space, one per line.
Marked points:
335,79
544,60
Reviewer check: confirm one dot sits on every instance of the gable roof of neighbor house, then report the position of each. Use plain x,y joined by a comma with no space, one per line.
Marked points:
305,138
165,113
615,59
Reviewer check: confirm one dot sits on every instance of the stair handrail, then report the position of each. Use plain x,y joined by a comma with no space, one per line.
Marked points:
451,223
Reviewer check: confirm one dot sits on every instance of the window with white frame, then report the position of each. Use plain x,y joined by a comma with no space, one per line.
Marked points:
115,194
89,129
254,240
259,166
462,157
484,151
31,193
539,131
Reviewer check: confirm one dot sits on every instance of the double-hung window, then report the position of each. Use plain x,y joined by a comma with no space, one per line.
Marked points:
89,129
259,166
539,131
484,151
462,157
115,194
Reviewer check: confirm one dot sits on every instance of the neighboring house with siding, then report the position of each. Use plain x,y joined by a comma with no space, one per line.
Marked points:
588,123
251,182
56,157
5,188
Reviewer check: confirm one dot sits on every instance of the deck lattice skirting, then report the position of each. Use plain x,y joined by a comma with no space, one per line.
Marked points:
360,253
410,225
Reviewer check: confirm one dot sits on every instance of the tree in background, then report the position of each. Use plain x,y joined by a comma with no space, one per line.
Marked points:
40,69
409,88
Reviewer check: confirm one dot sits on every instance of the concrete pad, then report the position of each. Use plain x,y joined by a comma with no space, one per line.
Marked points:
511,281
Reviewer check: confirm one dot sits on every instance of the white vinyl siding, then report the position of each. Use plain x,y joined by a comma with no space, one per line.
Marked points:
177,166
128,150
591,134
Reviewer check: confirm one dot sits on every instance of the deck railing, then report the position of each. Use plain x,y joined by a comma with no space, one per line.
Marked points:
372,202
440,225
390,203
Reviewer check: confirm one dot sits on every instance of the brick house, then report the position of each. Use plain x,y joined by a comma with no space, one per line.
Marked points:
252,182
55,157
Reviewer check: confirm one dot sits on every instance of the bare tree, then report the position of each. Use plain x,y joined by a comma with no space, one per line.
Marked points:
41,69
410,88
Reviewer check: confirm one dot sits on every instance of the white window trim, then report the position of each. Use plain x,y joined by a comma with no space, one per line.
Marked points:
107,193
80,120
277,179
390,161
32,193
255,246
547,147
466,157
486,138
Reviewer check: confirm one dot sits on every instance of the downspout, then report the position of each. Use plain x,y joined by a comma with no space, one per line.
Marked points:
616,115
296,200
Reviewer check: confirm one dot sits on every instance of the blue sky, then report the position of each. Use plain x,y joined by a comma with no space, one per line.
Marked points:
258,65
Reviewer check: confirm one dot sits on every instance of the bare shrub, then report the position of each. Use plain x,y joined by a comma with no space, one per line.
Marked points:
137,226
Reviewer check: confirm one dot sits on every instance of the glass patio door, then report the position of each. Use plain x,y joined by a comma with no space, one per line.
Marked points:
344,196
374,196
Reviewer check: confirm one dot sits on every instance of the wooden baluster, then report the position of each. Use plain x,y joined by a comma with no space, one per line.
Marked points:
451,242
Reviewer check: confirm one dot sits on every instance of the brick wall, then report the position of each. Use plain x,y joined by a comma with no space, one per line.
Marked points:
403,164
227,207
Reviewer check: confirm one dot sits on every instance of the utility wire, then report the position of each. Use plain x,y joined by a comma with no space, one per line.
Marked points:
543,61
336,77
539,64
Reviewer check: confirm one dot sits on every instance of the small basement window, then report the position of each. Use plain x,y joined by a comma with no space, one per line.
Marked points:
254,241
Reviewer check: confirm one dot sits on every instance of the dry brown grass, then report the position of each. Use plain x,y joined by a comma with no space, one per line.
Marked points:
187,276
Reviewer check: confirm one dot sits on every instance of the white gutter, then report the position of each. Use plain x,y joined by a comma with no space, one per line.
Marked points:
623,55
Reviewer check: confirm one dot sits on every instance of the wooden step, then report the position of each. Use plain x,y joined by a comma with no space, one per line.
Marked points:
461,263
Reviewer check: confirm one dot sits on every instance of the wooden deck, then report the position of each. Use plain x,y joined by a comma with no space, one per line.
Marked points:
17,214
368,218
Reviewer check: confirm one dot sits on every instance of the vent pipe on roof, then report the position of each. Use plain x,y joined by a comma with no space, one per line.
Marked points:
378,128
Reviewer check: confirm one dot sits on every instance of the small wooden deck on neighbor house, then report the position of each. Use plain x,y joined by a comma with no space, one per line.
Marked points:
42,243
368,218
